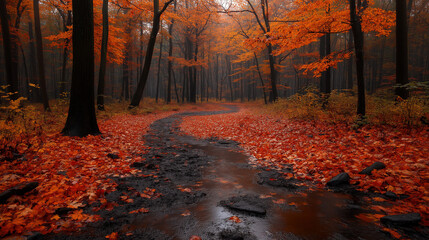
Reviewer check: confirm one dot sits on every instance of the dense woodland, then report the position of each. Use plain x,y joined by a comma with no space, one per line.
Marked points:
189,51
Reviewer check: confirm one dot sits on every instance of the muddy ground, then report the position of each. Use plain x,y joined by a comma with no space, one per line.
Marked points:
201,184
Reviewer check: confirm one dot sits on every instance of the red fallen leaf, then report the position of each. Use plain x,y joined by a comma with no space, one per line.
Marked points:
141,210
194,237
112,236
235,219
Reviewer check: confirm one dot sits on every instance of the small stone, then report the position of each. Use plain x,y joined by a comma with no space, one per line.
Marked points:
402,219
376,165
340,179
113,156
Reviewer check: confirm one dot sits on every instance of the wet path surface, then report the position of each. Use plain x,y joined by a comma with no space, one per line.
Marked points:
222,184
200,184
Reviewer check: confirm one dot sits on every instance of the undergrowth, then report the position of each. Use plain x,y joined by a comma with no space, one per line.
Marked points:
340,107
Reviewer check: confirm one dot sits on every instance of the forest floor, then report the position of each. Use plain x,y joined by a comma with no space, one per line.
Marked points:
223,173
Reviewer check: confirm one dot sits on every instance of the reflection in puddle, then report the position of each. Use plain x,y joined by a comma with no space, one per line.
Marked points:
314,215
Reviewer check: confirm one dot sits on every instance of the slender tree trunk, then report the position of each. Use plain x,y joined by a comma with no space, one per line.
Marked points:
356,21
273,74
175,87
158,70
65,54
401,49
32,59
81,120
217,76
40,60
10,60
260,77
350,63
170,54
103,57
149,53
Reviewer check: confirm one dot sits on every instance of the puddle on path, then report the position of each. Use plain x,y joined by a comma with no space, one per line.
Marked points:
310,215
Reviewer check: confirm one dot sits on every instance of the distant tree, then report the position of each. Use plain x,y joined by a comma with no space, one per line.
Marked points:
81,120
103,57
40,59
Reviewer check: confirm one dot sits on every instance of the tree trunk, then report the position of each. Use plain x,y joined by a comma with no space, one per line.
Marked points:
81,119
260,78
65,54
32,60
273,74
149,53
350,64
356,21
40,60
401,49
170,54
103,57
10,61
158,70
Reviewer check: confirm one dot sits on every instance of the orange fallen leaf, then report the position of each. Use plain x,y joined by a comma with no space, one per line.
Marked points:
112,236
235,219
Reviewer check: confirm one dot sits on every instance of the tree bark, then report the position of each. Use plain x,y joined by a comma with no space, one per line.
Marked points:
103,57
40,60
81,120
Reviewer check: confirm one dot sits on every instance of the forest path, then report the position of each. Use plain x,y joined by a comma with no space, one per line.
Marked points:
216,183
209,189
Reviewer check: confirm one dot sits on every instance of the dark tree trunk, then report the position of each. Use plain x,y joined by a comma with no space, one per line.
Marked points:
149,53
81,120
63,85
350,63
158,71
273,74
356,21
125,64
322,53
193,82
260,78
103,57
32,59
217,76
40,60
175,87
170,54
10,60
401,49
